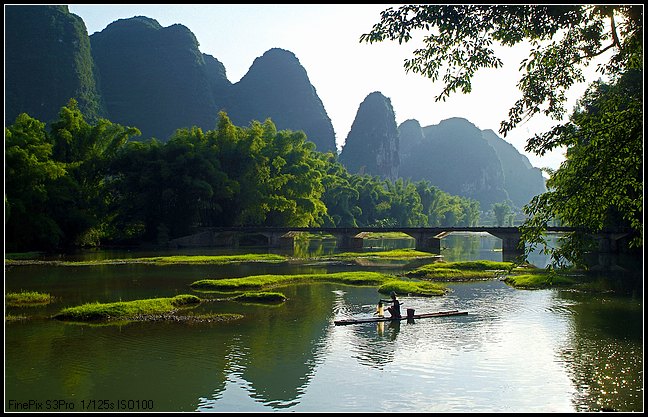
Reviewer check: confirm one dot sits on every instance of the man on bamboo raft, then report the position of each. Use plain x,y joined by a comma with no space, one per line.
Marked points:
394,310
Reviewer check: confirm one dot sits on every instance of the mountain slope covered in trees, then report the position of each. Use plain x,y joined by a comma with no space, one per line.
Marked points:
47,62
152,77
455,156
156,79
522,181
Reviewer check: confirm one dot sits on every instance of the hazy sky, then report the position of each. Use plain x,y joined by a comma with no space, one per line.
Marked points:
325,39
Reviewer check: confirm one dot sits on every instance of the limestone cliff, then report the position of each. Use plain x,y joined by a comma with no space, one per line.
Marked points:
455,157
47,62
372,145
277,87
153,77
521,180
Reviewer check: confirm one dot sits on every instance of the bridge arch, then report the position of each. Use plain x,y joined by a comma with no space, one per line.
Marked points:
428,239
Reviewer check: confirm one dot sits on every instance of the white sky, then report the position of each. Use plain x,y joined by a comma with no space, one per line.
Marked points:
325,39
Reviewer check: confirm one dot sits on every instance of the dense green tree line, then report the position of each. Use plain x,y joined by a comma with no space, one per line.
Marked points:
77,184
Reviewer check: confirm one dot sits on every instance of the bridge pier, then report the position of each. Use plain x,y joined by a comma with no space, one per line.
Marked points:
349,239
280,240
608,249
427,241
431,245
511,249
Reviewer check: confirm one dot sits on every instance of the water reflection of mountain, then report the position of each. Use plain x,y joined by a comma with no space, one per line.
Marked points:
165,364
285,347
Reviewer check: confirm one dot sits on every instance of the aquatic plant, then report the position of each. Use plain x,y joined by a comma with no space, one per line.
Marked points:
214,259
540,280
164,260
268,281
459,271
27,298
422,288
406,253
126,309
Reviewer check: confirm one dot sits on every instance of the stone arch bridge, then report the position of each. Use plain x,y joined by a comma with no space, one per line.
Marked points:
427,239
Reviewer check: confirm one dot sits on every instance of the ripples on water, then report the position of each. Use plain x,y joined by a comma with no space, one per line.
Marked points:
515,351
505,355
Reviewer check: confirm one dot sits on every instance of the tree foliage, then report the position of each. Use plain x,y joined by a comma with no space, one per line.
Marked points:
564,39
29,175
80,184
600,185
55,181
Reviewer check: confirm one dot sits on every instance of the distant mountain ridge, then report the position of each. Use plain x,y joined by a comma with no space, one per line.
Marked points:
522,181
152,77
463,160
137,73
455,157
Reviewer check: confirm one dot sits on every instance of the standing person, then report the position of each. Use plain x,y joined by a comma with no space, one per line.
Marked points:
394,310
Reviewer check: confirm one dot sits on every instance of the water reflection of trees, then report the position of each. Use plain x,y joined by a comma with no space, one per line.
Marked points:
304,248
605,353
166,363
469,246
285,346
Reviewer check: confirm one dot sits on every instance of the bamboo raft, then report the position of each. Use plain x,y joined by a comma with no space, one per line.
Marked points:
344,322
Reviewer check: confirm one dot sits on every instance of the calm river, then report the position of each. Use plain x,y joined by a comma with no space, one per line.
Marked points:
515,351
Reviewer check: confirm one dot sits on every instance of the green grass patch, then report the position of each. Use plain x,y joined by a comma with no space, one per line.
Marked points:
480,265
540,280
422,288
260,297
27,299
207,317
394,254
214,259
14,317
258,282
461,271
126,309
166,260
387,235
226,259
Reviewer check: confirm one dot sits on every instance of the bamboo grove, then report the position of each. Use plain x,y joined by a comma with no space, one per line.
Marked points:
75,184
